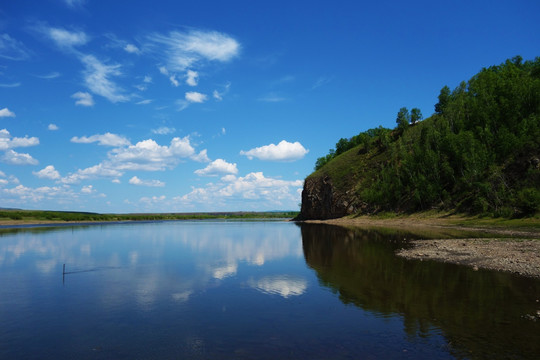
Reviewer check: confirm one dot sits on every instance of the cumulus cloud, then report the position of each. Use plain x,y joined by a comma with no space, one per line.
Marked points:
23,194
217,167
195,97
87,189
52,127
284,286
83,98
152,183
12,49
201,156
15,158
97,78
106,139
185,49
284,151
49,172
150,156
267,192
9,142
192,78
6,113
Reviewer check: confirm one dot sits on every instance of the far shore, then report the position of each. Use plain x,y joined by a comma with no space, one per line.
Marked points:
512,246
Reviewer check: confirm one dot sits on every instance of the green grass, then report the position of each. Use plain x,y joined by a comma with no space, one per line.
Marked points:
53,216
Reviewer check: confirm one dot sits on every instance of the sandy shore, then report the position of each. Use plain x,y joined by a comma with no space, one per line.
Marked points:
513,250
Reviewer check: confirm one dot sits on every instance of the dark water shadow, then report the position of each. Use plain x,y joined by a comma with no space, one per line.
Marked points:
482,314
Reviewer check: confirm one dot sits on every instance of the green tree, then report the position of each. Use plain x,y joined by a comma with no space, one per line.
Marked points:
444,98
402,119
416,115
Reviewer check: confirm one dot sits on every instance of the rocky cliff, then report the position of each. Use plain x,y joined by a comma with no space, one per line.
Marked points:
321,200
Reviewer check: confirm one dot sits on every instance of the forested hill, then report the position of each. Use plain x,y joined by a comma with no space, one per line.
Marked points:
479,153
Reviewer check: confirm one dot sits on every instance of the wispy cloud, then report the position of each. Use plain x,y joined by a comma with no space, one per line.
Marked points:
321,81
163,130
83,98
272,98
49,76
132,49
12,49
12,85
218,95
97,78
144,102
185,49
284,151
106,139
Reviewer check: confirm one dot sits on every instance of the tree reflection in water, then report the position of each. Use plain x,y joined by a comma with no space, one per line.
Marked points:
482,314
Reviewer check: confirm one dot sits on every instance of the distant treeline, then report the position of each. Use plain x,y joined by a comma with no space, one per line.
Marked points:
479,152
86,216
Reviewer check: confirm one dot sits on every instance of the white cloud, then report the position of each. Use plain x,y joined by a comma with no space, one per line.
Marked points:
152,183
106,139
22,194
12,85
97,78
195,97
163,70
173,80
6,113
144,102
284,286
200,157
147,79
272,98
130,48
74,3
150,156
192,78
217,167
266,192
8,142
284,151
65,38
15,158
87,189
93,172
83,98
163,130
219,95
185,49
52,127
49,172
49,76
12,49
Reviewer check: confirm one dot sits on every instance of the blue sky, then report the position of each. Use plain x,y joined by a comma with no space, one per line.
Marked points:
136,106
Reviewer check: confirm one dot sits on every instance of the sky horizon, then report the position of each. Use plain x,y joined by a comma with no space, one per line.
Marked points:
220,106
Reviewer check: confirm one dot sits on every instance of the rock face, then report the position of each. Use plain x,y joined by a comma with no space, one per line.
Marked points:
320,200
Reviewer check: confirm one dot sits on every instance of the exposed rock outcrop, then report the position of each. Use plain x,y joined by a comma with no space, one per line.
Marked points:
321,200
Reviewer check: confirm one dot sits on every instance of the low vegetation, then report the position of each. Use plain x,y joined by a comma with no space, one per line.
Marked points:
59,216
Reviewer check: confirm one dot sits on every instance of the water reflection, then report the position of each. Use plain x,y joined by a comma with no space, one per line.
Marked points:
283,285
480,313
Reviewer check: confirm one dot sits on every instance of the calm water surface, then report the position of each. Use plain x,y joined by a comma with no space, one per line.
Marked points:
250,290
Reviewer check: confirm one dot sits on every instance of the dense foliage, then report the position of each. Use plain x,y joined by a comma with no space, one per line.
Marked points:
479,152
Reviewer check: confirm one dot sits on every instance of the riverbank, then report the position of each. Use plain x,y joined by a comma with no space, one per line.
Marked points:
513,246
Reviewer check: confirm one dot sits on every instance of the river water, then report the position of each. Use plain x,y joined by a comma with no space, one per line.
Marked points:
251,290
